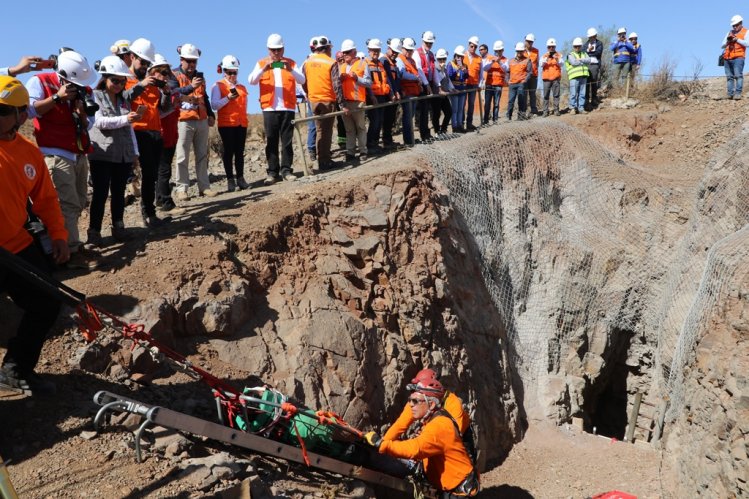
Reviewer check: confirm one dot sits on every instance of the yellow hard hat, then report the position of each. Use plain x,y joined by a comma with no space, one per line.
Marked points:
12,92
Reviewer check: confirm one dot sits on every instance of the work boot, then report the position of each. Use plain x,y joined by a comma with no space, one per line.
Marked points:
270,180
209,193
11,380
231,185
241,183
289,177
119,233
736,96
181,195
94,240
546,114
557,113
154,222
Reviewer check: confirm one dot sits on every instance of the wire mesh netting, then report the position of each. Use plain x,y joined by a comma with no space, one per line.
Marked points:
578,246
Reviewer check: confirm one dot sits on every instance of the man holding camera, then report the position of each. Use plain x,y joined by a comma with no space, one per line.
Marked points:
195,118
734,54
63,112
149,96
594,49
277,76
623,51
23,177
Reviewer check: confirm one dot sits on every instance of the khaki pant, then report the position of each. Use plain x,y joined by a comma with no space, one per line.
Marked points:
71,182
193,135
356,127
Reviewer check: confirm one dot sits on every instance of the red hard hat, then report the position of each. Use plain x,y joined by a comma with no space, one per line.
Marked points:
430,388
424,375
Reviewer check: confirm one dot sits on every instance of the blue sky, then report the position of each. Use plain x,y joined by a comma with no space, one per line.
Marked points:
681,31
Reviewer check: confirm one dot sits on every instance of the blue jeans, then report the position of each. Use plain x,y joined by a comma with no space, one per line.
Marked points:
517,91
734,75
492,94
458,103
577,93
311,131
471,104
407,121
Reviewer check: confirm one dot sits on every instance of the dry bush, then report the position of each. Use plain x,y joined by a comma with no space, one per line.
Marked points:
662,86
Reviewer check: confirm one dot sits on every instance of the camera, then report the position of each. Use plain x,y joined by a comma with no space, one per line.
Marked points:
233,91
198,74
85,95
159,83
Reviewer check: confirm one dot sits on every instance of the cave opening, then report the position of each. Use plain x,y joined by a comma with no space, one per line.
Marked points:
608,414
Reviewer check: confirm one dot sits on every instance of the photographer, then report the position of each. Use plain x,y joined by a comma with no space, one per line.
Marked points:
24,177
229,100
115,149
195,117
734,54
551,64
148,95
63,109
623,51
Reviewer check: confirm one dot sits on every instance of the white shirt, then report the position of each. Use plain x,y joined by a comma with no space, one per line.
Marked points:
278,104
417,59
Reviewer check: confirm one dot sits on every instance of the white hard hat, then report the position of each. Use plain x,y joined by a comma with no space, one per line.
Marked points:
409,44
120,47
442,54
592,32
347,45
361,55
229,62
460,50
519,47
428,37
474,40
274,41
621,30
75,68
632,35
577,42
374,44
530,37
188,51
159,60
551,42
395,45
499,45
736,20
143,48
113,65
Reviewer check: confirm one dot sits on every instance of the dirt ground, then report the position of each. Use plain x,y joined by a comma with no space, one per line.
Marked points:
51,454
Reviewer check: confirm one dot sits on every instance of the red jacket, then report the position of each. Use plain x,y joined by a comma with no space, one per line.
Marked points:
57,128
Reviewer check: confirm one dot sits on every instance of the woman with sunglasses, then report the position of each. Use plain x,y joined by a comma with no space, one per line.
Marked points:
115,149
229,100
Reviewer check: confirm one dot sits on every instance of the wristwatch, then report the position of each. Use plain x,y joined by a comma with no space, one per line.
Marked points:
56,98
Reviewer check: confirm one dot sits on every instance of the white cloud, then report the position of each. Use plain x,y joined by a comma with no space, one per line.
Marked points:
485,16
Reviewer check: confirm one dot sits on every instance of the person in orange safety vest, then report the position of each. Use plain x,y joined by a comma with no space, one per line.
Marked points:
551,65
438,447
277,76
355,80
734,54
23,177
229,100
531,85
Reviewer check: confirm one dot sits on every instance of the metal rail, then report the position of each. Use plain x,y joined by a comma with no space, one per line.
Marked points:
155,415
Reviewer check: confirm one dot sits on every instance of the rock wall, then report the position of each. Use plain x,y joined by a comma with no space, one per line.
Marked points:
341,298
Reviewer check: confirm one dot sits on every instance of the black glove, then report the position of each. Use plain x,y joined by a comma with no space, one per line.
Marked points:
373,439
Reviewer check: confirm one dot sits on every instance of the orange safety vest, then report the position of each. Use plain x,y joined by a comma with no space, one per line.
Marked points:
735,50
518,70
319,82
410,88
150,98
352,90
380,85
234,113
495,75
552,68
532,54
268,86
192,114
473,63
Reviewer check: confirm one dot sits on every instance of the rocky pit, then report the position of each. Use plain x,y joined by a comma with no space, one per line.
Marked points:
552,278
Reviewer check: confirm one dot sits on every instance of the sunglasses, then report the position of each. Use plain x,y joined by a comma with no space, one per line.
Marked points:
118,81
415,401
230,72
276,50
